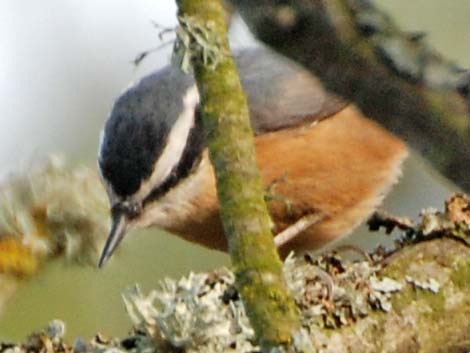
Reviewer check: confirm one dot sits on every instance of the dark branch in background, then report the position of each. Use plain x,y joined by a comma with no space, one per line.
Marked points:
393,76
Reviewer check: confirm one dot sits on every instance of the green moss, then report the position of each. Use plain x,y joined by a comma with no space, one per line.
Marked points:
461,275
436,301
402,300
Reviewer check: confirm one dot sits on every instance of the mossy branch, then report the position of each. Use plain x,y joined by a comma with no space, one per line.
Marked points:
394,77
258,270
415,298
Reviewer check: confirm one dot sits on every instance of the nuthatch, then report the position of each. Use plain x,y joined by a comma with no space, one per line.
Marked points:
317,155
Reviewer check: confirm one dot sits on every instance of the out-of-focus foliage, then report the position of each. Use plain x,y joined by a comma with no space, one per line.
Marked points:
49,211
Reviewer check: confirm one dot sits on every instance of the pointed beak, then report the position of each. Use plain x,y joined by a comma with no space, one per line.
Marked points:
118,231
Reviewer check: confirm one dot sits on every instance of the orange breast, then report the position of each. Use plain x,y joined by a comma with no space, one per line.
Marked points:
340,167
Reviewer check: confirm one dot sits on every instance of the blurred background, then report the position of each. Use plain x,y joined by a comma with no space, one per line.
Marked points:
62,62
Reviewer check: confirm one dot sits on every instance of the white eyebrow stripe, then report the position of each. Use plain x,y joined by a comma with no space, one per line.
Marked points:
176,142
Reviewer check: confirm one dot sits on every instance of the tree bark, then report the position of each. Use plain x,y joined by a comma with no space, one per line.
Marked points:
421,321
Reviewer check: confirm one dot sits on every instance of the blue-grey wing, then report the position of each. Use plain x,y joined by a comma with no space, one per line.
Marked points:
281,93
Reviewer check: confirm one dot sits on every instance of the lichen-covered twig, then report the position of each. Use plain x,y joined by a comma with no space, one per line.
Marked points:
453,222
48,211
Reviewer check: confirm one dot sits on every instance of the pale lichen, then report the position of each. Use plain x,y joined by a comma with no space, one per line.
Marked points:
200,312
204,313
430,284
50,210
196,40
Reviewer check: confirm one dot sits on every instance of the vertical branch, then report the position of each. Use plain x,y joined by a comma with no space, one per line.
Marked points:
259,279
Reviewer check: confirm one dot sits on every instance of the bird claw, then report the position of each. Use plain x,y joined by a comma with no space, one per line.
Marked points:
298,227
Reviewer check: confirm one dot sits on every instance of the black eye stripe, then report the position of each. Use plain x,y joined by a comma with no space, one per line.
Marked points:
190,159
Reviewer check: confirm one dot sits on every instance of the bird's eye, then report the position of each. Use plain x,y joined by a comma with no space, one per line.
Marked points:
131,210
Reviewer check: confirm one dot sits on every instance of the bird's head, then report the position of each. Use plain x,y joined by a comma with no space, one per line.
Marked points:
151,143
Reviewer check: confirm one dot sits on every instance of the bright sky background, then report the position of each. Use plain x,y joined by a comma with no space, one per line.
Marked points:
61,64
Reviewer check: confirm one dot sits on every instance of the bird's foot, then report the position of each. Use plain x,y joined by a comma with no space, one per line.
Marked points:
298,227
272,195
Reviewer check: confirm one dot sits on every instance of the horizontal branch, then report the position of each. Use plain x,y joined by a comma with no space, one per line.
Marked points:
413,299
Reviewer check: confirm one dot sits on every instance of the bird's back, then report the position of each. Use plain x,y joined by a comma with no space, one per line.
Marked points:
280,93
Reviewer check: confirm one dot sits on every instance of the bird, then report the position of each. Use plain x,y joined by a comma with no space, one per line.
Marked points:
325,166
